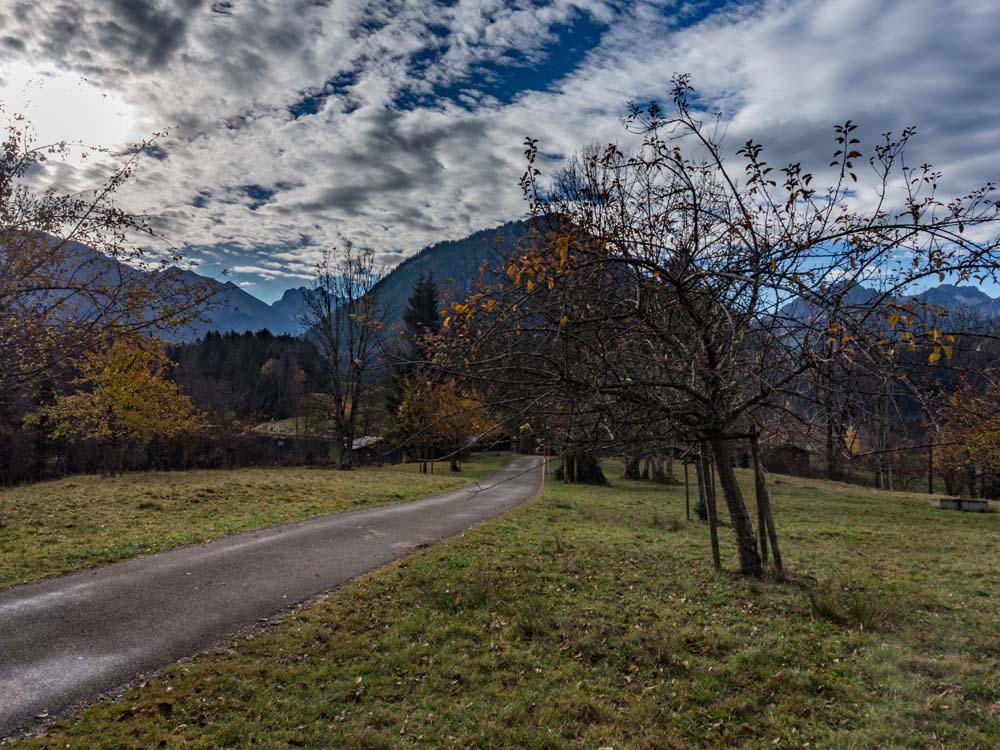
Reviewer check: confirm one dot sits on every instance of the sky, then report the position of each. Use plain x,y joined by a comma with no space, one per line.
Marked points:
290,125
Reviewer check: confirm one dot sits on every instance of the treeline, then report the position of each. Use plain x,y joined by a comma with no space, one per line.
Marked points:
238,399
225,384
248,376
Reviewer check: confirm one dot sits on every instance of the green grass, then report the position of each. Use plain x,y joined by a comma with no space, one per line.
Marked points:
591,618
55,527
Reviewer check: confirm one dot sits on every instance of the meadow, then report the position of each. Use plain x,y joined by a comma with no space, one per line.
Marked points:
79,522
591,618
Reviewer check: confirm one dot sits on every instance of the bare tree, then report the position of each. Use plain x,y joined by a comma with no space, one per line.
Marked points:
345,320
72,277
672,292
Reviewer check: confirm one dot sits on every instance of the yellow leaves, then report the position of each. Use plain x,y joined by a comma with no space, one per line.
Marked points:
934,356
437,413
491,305
564,320
124,394
893,320
447,322
562,245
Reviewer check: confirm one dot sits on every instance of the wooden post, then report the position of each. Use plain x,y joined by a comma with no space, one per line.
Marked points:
760,490
713,530
764,507
699,471
687,491
930,464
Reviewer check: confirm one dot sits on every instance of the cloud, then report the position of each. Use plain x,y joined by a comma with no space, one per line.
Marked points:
401,123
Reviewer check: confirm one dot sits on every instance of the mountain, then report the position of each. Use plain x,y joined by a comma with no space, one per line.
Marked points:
961,299
455,266
291,303
944,299
233,309
92,286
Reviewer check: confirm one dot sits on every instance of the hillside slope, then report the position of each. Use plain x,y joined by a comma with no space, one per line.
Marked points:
455,266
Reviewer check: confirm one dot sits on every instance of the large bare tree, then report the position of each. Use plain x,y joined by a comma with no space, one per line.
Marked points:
344,318
676,288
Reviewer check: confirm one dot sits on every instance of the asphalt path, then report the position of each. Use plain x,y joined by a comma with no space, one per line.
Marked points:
68,640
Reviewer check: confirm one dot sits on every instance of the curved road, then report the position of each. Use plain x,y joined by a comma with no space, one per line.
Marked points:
68,639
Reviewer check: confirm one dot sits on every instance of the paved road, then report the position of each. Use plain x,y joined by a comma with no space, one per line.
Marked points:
68,639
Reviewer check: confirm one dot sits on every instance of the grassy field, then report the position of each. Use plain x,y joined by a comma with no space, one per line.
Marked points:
591,618
74,523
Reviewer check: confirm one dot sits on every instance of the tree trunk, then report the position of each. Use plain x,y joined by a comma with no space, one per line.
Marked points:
746,543
110,459
760,492
632,469
710,510
581,468
949,482
454,464
832,447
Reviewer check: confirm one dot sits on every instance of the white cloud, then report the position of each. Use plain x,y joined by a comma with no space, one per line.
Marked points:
366,167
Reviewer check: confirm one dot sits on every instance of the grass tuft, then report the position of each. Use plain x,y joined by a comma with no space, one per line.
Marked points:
666,522
866,607
150,506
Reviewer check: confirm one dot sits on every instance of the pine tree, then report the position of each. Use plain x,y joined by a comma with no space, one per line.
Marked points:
421,315
420,318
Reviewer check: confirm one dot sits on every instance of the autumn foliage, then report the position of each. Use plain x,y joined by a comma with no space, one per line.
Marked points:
121,395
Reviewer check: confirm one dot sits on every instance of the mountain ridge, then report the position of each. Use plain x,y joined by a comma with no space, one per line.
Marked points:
455,266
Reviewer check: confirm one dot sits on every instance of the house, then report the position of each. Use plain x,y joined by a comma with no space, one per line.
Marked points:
371,450
787,458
